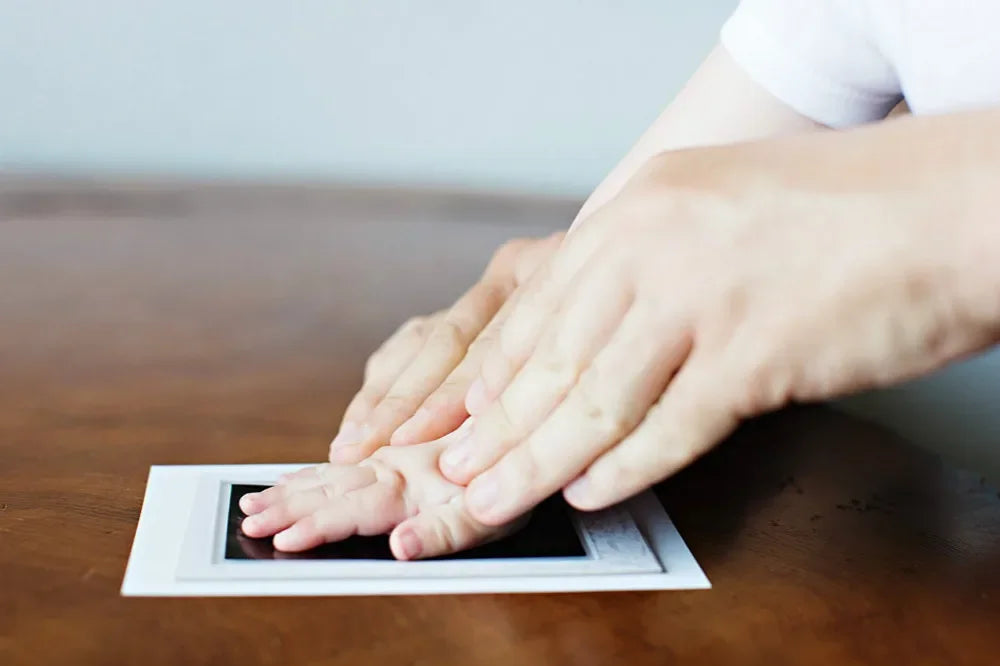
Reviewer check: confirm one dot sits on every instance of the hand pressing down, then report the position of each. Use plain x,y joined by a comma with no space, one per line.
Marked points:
396,489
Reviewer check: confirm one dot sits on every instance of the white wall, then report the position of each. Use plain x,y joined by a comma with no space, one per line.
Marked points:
528,95
539,96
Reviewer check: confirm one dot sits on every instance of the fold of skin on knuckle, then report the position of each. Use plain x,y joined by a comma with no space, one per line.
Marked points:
329,492
449,395
448,536
535,482
386,475
506,255
362,404
517,334
496,370
448,341
395,407
496,431
409,336
762,380
533,256
606,415
555,372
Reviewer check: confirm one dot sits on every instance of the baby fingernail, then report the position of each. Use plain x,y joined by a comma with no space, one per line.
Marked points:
483,493
410,544
247,501
350,434
248,524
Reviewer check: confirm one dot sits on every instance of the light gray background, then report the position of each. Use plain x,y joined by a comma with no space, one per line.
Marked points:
521,96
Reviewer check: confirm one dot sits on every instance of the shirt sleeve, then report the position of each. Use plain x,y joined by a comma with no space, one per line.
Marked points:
820,57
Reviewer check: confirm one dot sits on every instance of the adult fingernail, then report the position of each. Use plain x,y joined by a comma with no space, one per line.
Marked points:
482,493
410,544
576,492
412,428
350,434
476,398
457,456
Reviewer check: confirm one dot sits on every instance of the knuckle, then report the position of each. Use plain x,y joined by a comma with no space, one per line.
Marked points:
447,534
414,325
374,363
510,343
508,252
387,476
329,492
486,340
527,469
505,417
607,421
558,372
448,337
495,370
449,394
393,403
609,415
666,444
763,388
362,405
366,398
499,422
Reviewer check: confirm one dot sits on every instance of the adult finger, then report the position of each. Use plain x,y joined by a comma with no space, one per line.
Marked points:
538,300
606,404
447,406
381,370
592,312
443,349
693,415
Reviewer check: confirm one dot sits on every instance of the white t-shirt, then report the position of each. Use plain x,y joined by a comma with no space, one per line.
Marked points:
846,62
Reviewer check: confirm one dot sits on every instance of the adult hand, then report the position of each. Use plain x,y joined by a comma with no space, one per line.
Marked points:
415,384
720,284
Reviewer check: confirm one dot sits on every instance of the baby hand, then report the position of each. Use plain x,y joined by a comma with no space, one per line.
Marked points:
396,489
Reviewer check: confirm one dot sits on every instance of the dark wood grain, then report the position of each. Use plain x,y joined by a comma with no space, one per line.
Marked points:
168,323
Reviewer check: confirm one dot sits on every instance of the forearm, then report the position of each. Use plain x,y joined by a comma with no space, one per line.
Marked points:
719,104
944,172
927,186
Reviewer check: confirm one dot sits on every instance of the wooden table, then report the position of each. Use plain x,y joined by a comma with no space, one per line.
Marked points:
170,323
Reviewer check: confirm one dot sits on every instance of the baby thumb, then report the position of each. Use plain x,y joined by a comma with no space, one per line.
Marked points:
440,530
